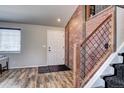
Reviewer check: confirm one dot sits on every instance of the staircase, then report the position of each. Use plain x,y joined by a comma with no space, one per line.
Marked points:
91,54
111,72
116,80
96,64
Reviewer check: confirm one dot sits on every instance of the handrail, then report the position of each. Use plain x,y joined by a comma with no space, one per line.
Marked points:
95,45
96,29
84,66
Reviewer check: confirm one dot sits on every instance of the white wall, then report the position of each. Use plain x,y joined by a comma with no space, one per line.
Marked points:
33,37
120,26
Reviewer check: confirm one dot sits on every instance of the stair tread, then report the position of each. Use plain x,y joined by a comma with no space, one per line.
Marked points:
114,81
118,64
100,87
119,68
120,54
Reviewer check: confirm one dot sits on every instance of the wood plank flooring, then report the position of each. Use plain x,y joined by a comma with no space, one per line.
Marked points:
29,78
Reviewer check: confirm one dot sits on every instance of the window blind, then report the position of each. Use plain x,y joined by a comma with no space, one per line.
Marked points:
10,40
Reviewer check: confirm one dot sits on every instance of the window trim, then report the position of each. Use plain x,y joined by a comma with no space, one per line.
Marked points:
10,28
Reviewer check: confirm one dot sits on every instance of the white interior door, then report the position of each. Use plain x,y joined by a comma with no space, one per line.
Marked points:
55,47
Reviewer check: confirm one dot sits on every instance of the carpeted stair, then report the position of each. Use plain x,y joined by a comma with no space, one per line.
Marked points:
116,80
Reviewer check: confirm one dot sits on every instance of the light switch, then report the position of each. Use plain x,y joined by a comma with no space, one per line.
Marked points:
44,46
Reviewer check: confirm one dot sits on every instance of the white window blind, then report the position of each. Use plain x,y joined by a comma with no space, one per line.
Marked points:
10,40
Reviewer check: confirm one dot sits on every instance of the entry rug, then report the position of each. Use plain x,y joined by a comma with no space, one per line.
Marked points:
55,68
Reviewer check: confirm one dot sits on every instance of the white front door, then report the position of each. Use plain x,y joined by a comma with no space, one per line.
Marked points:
55,47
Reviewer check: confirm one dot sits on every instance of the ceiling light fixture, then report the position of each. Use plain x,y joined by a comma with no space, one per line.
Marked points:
59,20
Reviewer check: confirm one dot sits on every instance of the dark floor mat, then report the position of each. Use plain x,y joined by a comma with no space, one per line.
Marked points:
55,68
44,69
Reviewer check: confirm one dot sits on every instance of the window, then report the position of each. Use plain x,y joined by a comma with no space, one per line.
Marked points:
92,10
10,40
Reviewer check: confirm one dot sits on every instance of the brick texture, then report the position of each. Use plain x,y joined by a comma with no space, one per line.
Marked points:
74,30
73,34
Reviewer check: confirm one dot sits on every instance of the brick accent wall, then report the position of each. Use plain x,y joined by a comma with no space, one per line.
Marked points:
74,31
73,34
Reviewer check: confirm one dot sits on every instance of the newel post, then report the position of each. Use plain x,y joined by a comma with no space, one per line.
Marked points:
76,66
114,30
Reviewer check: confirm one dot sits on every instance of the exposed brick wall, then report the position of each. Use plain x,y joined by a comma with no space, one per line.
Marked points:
94,21
74,30
73,34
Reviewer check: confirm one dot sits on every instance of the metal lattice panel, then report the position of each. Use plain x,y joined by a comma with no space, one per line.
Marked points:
95,47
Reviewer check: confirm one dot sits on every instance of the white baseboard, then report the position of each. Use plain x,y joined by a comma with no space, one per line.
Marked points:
32,66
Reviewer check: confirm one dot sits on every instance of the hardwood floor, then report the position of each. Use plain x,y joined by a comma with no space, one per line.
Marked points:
29,78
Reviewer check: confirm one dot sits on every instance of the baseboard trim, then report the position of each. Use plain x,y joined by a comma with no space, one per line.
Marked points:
26,66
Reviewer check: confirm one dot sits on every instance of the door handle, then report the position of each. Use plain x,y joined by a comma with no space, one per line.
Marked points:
49,49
